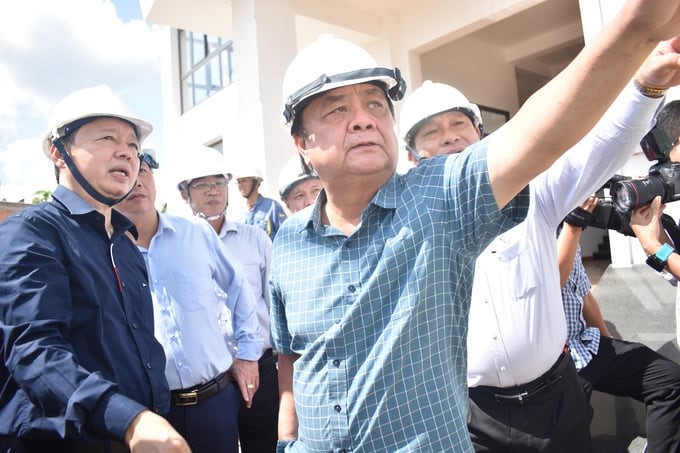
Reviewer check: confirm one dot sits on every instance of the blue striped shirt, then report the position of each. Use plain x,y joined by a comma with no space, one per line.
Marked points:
583,341
380,317
253,249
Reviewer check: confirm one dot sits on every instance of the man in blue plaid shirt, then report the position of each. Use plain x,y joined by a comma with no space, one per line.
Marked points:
371,285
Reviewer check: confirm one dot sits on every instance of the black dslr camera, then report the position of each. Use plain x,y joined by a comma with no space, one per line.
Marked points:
662,180
605,215
621,194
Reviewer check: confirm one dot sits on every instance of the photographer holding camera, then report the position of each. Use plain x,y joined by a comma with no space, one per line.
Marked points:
612,365
658,238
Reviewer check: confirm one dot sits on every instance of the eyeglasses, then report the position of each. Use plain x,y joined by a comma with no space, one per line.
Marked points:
205,186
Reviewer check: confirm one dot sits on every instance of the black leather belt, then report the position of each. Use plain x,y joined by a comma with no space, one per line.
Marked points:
522,394
195,395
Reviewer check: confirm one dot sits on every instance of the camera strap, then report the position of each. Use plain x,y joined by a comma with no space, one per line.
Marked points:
672,229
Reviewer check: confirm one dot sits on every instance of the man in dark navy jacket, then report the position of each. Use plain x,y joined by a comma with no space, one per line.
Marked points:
81,369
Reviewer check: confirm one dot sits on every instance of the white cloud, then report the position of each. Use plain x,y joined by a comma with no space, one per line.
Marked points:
50,48
32,170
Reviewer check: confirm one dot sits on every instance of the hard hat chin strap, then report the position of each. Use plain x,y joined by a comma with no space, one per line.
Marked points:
81,179
211,218
416,155
252,189
198,213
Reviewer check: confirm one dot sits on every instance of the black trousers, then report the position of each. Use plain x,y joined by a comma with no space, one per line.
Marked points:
258,426
555,419
623,368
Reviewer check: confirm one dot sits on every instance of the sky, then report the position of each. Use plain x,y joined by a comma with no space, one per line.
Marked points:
49,49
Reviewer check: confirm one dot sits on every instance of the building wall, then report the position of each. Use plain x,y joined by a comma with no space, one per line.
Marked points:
490,81
430,39
8,208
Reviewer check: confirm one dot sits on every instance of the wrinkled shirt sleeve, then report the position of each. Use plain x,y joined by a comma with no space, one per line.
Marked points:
240,300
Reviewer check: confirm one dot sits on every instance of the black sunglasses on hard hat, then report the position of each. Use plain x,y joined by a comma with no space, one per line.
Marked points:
150,161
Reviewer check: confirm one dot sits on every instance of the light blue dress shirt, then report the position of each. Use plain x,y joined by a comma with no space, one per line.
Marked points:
185,261
253,249
380,317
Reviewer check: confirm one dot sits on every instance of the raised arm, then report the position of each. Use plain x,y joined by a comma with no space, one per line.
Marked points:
567,244
569,237
646,224
564,110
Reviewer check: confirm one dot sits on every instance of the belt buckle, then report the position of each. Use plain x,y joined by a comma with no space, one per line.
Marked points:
520,396
186,399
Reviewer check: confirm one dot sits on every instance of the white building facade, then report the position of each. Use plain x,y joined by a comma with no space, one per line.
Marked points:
225,62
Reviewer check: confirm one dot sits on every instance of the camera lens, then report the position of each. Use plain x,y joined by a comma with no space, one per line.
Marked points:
623,199
633,193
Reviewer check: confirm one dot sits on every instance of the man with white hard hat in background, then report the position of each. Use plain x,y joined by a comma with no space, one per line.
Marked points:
81,370
186,262
265,213
298,186
525,393
445,120
388,259
204,184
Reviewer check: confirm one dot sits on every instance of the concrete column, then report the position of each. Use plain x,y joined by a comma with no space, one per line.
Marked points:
625,251
265,43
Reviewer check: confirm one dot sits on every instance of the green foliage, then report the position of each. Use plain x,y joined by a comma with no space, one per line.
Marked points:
41,195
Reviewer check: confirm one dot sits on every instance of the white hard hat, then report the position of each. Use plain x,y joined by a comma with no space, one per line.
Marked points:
431,99
247,170
200,161
148,155
89,103
291,174
330,63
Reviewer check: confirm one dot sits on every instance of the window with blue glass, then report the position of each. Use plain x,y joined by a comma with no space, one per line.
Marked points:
206,66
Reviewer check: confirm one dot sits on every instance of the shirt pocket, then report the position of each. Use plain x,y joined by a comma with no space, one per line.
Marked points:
516,263
192,291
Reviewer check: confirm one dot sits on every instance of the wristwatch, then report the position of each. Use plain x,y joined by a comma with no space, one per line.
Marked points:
660,258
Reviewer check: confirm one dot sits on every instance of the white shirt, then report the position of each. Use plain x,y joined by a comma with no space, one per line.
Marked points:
517,327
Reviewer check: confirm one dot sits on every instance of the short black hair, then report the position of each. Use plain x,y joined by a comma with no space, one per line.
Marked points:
669,119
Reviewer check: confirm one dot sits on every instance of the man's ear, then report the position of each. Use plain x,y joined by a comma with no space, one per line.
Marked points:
674,153
412,158
301,146
185,196
479,132
55,157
